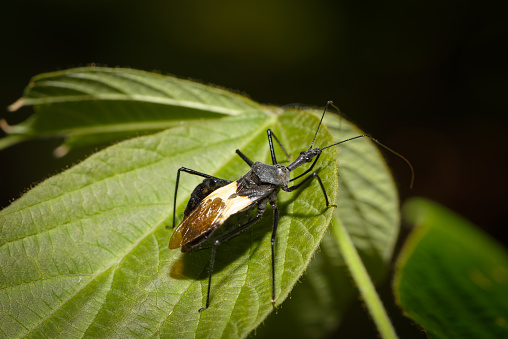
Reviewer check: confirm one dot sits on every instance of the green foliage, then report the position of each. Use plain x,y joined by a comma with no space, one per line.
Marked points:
451,278
85,252
368,209
93,105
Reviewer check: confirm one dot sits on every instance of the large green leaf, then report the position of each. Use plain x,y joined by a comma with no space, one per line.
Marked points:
93,105
85,252
91,250
452,278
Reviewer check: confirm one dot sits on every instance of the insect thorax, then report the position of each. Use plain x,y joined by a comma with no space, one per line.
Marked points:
271,174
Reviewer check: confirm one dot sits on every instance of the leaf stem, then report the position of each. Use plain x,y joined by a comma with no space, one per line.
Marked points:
363,281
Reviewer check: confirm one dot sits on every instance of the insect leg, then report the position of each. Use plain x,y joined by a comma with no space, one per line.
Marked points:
270,142
274,232
310,177
244,157
217,242
272,152
190,171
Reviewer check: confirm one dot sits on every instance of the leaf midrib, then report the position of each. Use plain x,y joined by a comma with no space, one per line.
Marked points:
139,98
105,128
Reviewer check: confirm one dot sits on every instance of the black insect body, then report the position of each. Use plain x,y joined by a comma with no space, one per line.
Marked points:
215,200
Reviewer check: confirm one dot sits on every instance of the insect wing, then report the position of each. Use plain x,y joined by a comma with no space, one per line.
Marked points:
212,212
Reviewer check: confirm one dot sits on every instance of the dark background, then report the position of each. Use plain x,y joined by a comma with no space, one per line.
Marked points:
427,78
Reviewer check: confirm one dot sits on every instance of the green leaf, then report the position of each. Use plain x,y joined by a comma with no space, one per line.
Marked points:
368,199
85,252
95,105
318,304
452,278
368,209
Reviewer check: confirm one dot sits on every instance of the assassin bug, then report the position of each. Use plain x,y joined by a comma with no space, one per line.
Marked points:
215,200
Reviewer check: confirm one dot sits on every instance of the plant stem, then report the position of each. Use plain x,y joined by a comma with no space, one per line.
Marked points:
363,281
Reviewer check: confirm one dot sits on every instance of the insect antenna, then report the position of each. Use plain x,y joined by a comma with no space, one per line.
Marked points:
385,147
329,102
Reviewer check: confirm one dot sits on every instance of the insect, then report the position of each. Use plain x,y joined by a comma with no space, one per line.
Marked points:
215,200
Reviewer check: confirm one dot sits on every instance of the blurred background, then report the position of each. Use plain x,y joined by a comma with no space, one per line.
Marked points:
427,78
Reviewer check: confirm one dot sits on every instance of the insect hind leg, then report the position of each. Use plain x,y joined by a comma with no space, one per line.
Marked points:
274,233
208,185
218,242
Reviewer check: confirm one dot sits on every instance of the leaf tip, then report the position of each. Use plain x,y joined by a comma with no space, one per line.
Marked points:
60,151
16,105
4,126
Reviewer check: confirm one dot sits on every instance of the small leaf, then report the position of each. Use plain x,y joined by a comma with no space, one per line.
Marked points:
452,278
368,199
95,105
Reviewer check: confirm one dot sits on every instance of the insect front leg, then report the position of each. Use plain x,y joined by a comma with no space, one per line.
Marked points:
310,177
193,172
